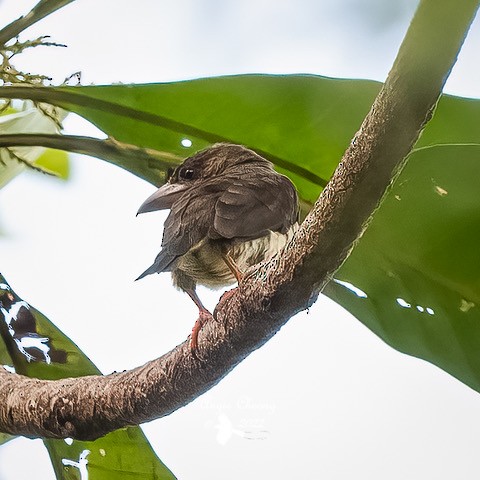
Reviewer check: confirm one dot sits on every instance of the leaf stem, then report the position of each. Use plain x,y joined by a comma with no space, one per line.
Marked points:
151,165
39,11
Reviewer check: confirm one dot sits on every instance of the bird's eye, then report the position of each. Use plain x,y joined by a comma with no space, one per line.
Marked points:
186,173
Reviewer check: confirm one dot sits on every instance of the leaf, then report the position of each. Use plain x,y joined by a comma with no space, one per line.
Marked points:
122,454
238,109
413,278
301,123
15,160
5,360
4,438
54,161
306,122
41,350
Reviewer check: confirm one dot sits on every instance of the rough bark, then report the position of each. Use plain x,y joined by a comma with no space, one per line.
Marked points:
88,407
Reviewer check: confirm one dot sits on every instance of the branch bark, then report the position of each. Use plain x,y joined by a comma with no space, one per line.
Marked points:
89,407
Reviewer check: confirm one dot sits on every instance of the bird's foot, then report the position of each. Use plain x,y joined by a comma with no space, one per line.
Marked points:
203,317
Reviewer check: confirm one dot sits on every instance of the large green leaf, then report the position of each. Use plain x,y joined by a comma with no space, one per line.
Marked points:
304,123
39,349
414,277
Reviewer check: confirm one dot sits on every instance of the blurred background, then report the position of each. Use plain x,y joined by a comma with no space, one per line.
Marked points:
325,398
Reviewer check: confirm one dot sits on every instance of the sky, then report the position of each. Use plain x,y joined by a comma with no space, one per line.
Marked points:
325,398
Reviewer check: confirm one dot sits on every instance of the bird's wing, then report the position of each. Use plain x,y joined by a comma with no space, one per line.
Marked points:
187,224
228,208
248,208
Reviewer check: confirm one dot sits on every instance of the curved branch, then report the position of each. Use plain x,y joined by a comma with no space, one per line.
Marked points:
88,407
150,164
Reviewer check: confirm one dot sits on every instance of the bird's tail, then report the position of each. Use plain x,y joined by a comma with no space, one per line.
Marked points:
148,271
163,263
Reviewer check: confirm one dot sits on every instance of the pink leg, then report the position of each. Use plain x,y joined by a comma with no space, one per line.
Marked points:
238,276
233,267
203,316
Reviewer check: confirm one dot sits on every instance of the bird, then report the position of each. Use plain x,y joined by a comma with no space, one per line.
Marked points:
229,210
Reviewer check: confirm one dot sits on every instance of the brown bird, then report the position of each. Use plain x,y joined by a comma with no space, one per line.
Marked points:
229,210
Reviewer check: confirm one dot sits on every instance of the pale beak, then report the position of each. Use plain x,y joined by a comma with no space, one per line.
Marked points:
163,198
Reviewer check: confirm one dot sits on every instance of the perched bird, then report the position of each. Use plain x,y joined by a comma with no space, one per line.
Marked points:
229,210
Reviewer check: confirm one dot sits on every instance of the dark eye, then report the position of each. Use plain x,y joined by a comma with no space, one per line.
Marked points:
186,173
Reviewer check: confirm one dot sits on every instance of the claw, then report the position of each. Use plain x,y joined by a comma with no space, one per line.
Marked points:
203,316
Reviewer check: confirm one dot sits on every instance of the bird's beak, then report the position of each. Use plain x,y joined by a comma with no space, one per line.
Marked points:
163,198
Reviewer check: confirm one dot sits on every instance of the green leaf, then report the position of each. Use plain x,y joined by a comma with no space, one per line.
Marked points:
5,358
417,263
276,115
4,438
419,249
39,349
121,454
301,123
54,161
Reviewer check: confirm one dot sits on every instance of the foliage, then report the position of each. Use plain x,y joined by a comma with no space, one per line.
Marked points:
412,278
37,348
303,124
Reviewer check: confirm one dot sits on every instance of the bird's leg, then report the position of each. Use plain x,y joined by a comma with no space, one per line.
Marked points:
203,316
237,274
232,266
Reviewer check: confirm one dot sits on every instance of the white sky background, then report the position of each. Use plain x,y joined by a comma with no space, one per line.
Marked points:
334,400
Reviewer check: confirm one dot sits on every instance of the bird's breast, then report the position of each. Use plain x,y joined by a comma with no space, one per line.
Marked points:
205,265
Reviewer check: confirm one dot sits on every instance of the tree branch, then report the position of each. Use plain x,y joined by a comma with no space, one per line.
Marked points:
150,164
39,11
89,407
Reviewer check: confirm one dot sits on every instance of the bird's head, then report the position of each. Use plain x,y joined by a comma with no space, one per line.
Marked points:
206,164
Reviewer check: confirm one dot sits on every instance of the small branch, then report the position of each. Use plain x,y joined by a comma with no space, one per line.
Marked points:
150,164
89,407
19,47
39,11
